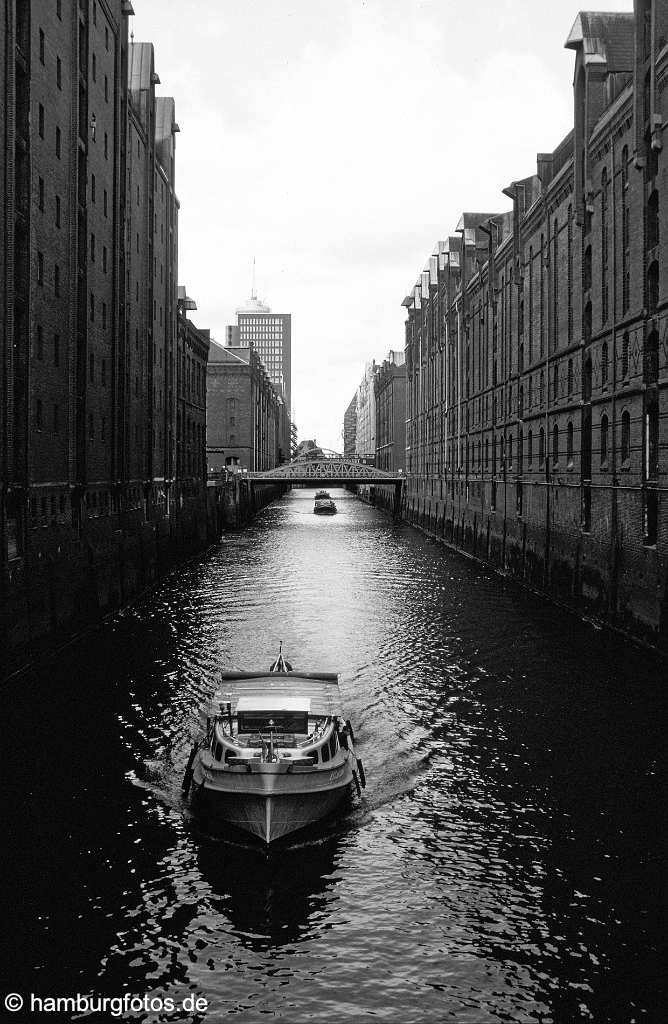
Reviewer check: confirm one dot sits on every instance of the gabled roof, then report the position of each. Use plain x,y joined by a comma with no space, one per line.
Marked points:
606,37
220,354
141,78
474,220
140,66
165,127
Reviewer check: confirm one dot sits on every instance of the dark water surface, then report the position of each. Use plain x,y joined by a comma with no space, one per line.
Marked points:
506,863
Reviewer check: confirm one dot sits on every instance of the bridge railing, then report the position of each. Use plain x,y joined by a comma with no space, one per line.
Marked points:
345,470
365,460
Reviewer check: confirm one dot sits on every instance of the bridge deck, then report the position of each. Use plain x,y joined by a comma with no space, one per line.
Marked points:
326,470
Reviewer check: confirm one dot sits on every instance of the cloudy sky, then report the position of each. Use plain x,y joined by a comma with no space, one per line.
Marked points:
335,141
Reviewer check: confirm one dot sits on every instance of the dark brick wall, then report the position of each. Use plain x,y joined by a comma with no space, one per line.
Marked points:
229,414
91,509
552,331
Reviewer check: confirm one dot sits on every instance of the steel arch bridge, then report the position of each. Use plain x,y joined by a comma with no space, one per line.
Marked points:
330,469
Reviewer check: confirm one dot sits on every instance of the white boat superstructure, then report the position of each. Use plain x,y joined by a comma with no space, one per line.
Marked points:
277,754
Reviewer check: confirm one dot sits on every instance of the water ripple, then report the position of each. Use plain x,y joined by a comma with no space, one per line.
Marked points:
505,863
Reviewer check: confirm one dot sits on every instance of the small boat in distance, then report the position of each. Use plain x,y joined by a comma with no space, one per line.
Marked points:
277,754
324,505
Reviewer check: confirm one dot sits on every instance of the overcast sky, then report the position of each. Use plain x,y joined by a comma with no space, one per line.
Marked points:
335,141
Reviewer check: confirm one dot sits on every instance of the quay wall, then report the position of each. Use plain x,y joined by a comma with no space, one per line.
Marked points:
606,575
69,580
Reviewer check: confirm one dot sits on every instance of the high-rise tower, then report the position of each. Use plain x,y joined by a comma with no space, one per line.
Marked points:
270,335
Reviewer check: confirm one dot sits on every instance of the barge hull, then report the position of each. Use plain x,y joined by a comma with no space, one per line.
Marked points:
271,816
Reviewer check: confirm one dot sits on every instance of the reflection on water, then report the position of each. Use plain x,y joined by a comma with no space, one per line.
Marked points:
270,898
505,863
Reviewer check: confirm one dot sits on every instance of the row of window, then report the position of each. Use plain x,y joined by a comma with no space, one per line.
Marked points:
95,503
48,504
57,421
504,313
41,129
261,321
537,396
59,66
56,274
93,195
506,447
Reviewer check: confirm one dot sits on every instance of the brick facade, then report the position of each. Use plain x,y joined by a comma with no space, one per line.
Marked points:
244,412
88,324
365,431
350,427
390,399
193,353
537,350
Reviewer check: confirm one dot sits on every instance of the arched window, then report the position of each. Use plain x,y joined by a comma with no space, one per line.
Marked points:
541,388
626,438
653,286
586,322
530,449
652,358
653,220
604,441
520,451
569,445
586,269
510,451
541,447
604,363
555,383
555,445
625,354
570,376
586,380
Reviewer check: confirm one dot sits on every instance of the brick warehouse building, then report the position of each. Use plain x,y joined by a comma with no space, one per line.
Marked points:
365,428
537,350
245,415
350,427
390,400
193,355
89,319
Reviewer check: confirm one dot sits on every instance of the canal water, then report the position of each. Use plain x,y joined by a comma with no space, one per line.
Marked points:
506,862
